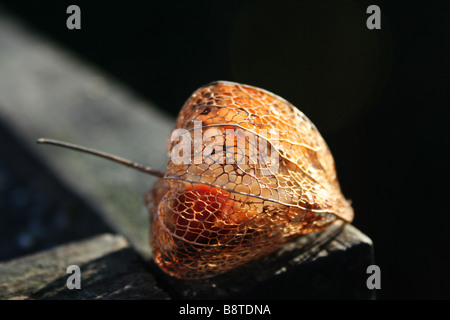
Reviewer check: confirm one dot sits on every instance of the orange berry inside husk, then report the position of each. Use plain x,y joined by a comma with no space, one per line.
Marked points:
204,214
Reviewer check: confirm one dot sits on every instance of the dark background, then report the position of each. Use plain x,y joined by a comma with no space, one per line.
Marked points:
379,97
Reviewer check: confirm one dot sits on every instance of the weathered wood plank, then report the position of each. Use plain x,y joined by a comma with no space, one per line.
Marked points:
48,92
110,269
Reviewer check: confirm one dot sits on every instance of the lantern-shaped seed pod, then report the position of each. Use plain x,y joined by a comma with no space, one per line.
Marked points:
247,172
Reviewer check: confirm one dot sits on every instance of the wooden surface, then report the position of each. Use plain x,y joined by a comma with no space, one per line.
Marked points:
327,265
110,269
46,91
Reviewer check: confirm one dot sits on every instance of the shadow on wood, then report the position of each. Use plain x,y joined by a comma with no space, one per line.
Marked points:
330,264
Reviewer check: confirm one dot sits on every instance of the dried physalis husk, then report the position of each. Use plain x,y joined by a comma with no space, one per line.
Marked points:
248,172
